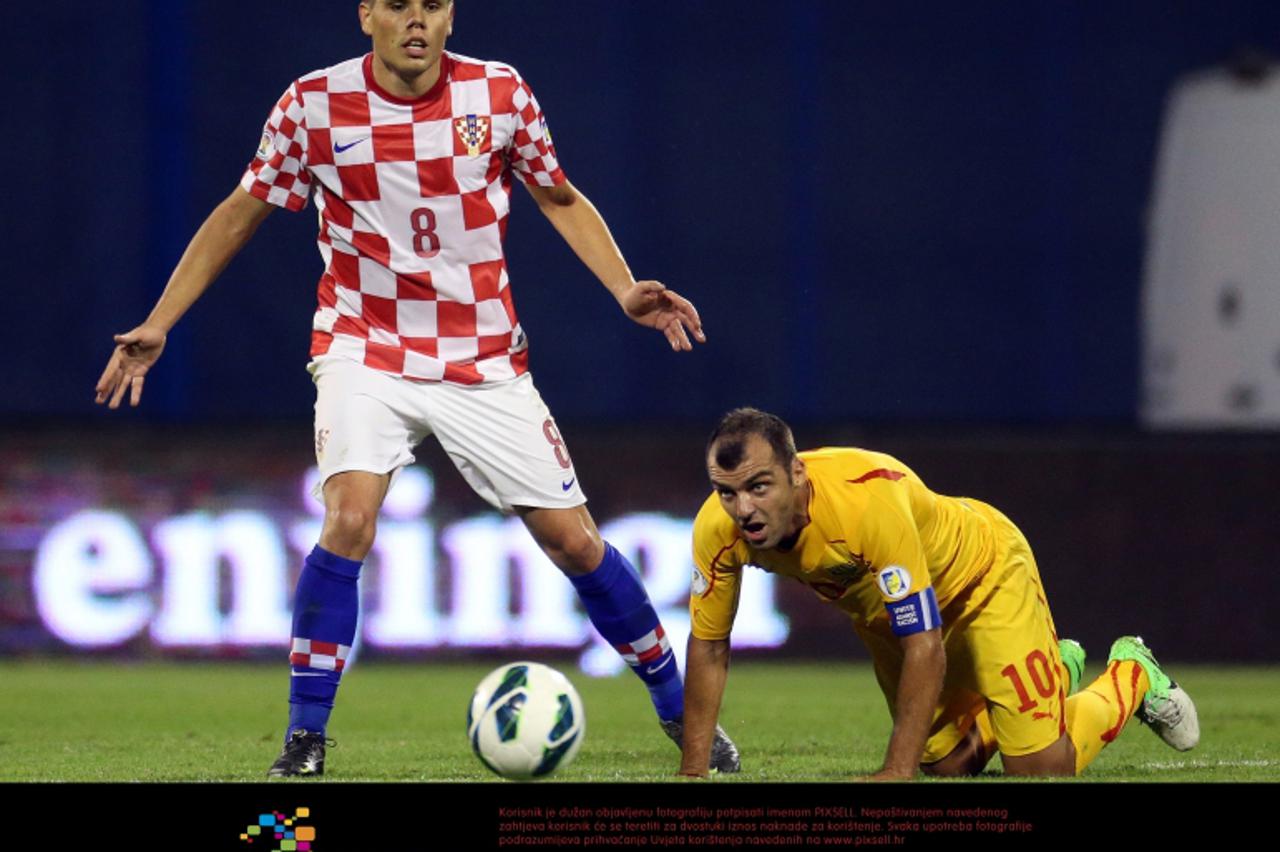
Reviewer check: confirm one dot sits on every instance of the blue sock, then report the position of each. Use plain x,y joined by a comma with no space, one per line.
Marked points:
324,626
619,607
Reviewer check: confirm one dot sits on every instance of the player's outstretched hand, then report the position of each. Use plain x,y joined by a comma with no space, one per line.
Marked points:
135,352
651,303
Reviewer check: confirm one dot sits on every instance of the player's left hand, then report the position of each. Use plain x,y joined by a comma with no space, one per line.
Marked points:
651,303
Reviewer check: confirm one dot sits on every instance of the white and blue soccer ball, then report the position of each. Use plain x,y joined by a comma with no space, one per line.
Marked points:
525,721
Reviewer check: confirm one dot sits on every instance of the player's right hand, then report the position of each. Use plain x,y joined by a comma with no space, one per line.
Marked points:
135,352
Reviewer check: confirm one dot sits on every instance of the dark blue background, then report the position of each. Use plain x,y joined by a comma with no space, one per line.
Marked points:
884,211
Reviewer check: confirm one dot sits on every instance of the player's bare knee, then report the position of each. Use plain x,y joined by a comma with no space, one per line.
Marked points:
576,551
349,530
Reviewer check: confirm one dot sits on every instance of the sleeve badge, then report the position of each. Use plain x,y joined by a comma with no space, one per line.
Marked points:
894,582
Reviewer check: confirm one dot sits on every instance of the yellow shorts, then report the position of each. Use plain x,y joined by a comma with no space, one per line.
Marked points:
1002,656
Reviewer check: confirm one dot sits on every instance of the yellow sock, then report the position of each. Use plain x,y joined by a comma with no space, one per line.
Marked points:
1097,714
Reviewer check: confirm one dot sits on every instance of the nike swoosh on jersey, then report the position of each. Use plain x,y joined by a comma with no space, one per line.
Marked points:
340,148
565,486
659,666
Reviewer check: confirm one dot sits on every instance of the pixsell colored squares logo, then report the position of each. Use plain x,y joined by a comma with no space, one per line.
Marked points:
277,832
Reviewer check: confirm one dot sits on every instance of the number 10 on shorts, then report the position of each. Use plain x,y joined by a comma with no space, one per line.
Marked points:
1041,673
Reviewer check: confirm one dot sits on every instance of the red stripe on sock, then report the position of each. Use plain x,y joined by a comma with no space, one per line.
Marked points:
1108,736
652,654
1136,671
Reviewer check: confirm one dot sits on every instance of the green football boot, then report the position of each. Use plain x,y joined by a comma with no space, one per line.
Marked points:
1072,654
1166,708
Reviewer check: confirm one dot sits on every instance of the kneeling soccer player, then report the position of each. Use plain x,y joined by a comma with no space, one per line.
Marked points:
945,593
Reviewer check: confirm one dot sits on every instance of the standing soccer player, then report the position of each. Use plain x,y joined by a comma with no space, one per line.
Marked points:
409,153
945,593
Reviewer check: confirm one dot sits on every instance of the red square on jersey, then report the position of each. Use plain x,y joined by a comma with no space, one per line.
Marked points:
380,312
349,109
434,109
435,177
359,183
372,246
346,268
416,285
380,357
491,345
429,346
500,95
336,210
476,210
320,147
288,128
462,71
393,143
354,326
454,319
326,295
462,374
508,305
485,279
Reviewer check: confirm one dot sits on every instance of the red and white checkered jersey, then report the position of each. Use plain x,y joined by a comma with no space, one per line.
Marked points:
413,198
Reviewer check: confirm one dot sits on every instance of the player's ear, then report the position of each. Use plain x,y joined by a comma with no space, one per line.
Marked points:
364,8
798,471
452,6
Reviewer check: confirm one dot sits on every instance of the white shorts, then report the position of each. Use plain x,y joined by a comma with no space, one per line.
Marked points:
500,435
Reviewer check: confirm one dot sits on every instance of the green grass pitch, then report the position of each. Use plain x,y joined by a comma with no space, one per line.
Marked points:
98,721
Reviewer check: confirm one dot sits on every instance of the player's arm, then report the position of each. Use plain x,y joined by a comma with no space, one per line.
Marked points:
649,303
888,536
706,672
924,662
713,605
219,239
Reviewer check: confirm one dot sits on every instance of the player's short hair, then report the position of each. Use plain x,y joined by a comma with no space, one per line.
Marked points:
728,439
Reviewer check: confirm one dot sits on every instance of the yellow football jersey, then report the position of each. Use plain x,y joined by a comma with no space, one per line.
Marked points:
879,544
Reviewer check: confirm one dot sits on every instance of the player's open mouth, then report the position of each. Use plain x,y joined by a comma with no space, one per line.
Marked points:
754,530
416,47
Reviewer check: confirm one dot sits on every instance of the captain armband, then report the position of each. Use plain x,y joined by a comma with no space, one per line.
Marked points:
914,613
